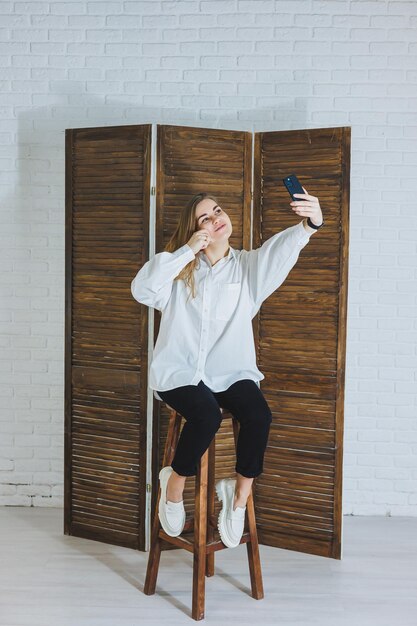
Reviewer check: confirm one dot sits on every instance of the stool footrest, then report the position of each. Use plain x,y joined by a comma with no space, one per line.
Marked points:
186,541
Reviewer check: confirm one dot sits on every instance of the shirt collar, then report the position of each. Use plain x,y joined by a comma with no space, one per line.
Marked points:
230,255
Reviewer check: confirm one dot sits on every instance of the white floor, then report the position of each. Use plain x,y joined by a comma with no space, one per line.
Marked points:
50,579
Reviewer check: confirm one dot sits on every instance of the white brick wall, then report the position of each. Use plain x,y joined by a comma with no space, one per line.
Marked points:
234,64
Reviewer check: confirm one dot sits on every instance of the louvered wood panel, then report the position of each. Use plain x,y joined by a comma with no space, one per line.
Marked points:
191,160
107,232
300,338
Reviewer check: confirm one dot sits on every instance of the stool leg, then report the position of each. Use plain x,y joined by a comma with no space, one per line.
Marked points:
252,546
210,503
200,537
155,547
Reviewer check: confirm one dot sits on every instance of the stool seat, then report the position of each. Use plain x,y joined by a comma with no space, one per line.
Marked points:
200,534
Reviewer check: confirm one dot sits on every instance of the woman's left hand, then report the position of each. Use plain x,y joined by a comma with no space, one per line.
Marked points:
310,207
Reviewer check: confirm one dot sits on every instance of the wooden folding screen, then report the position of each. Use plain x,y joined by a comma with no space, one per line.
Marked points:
107,209
300,343
299,331
190,160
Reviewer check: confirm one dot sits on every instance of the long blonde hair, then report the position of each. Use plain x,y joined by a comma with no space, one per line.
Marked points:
187,225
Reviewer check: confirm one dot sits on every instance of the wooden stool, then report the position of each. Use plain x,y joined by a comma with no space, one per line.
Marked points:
203,538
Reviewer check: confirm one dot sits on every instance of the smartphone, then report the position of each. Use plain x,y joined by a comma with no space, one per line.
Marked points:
293,185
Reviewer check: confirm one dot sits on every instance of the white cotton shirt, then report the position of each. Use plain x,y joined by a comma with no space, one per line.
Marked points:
210,337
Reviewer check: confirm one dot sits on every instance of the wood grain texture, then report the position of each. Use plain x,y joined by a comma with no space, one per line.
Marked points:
300,331
300,338
107,232
191,160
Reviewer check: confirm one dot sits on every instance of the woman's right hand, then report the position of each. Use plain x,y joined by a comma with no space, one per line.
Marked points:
199,240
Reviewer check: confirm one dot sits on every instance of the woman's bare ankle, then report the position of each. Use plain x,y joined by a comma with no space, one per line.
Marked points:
175,487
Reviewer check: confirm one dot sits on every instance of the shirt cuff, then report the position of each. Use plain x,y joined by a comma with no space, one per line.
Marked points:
185,250
304,233
308,229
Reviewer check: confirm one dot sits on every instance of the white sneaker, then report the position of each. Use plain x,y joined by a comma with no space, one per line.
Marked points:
171,514
231,522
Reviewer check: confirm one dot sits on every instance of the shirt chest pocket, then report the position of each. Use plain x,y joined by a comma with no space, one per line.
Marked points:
227,300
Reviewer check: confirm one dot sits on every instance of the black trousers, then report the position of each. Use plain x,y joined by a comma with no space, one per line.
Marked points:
200,408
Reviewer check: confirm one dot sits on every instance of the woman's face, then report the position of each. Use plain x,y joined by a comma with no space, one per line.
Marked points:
211,216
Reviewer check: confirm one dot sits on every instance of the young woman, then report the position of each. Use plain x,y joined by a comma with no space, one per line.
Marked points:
204,357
